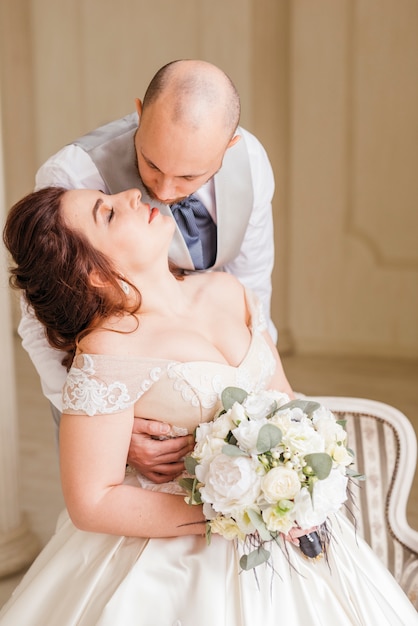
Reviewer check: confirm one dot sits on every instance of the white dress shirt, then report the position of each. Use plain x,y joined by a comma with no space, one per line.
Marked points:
73,168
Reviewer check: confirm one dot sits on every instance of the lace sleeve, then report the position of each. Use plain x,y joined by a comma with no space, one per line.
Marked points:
99,384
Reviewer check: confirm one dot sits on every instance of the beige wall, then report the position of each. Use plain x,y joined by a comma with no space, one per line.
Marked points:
329,86
353,200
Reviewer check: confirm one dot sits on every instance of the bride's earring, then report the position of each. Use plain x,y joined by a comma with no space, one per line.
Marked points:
125,287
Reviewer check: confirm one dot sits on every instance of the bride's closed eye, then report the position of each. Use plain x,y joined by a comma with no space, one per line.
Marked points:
110,215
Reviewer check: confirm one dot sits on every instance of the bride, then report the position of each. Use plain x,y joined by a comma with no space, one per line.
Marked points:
142,339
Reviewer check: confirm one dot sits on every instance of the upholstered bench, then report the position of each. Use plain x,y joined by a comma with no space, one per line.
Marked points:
385,445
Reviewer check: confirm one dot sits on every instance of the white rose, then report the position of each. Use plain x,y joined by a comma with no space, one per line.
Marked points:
246,434
280,483
231,484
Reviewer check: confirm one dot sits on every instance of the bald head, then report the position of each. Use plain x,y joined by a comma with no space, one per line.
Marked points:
195,94
186,124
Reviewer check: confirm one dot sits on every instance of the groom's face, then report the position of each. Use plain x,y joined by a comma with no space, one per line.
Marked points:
174,160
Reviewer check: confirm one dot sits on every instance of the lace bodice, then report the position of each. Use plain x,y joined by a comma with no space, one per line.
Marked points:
181,393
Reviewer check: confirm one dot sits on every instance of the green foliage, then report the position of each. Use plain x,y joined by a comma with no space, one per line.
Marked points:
191,485
269,436
321,464
307,406
259,524
230,395
254,558
190,465
231,450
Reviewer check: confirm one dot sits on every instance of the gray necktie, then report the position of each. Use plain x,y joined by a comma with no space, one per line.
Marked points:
198,230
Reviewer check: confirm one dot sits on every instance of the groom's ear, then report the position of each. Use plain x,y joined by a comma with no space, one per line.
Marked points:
138,107
233,141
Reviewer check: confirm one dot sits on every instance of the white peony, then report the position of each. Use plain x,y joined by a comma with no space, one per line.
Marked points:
328,496
231,483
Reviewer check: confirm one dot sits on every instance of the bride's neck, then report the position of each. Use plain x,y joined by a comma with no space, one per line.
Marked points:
160,292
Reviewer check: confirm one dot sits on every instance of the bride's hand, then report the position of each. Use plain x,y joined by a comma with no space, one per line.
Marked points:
295,533
159,461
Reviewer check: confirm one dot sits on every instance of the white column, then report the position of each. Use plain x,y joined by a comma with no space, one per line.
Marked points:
18,545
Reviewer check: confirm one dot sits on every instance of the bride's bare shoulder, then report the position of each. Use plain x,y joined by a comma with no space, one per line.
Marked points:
114,336
221,283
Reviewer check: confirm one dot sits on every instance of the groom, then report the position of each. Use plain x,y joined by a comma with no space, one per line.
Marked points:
184,139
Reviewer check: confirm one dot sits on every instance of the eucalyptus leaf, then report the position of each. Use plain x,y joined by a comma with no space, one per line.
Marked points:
321,463
191,486
307,406
273,410
187,483
231,439
269,436
259,524
352,473
197,498
190,465
230,395
231,450
208,533
254,558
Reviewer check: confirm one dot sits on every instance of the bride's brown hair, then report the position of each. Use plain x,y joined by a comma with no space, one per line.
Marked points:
53,265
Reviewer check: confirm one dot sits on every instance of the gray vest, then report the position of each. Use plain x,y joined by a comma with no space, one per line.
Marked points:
111,148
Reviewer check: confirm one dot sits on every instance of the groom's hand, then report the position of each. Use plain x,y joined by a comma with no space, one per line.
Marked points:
158,460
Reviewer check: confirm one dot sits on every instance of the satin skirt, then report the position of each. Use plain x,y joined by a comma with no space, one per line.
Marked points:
88,579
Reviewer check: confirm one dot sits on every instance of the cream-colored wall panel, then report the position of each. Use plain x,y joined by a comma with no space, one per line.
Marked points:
227,41
344,296
317,166
124,48
17,98
57,70
270,87
92,70
91,59
384,121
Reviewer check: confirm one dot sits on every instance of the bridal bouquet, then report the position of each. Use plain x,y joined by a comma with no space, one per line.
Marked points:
266,465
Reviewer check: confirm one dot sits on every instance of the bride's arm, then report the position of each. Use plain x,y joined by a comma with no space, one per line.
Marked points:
93,453
279,380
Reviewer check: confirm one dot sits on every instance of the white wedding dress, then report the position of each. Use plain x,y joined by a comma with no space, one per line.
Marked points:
88,579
